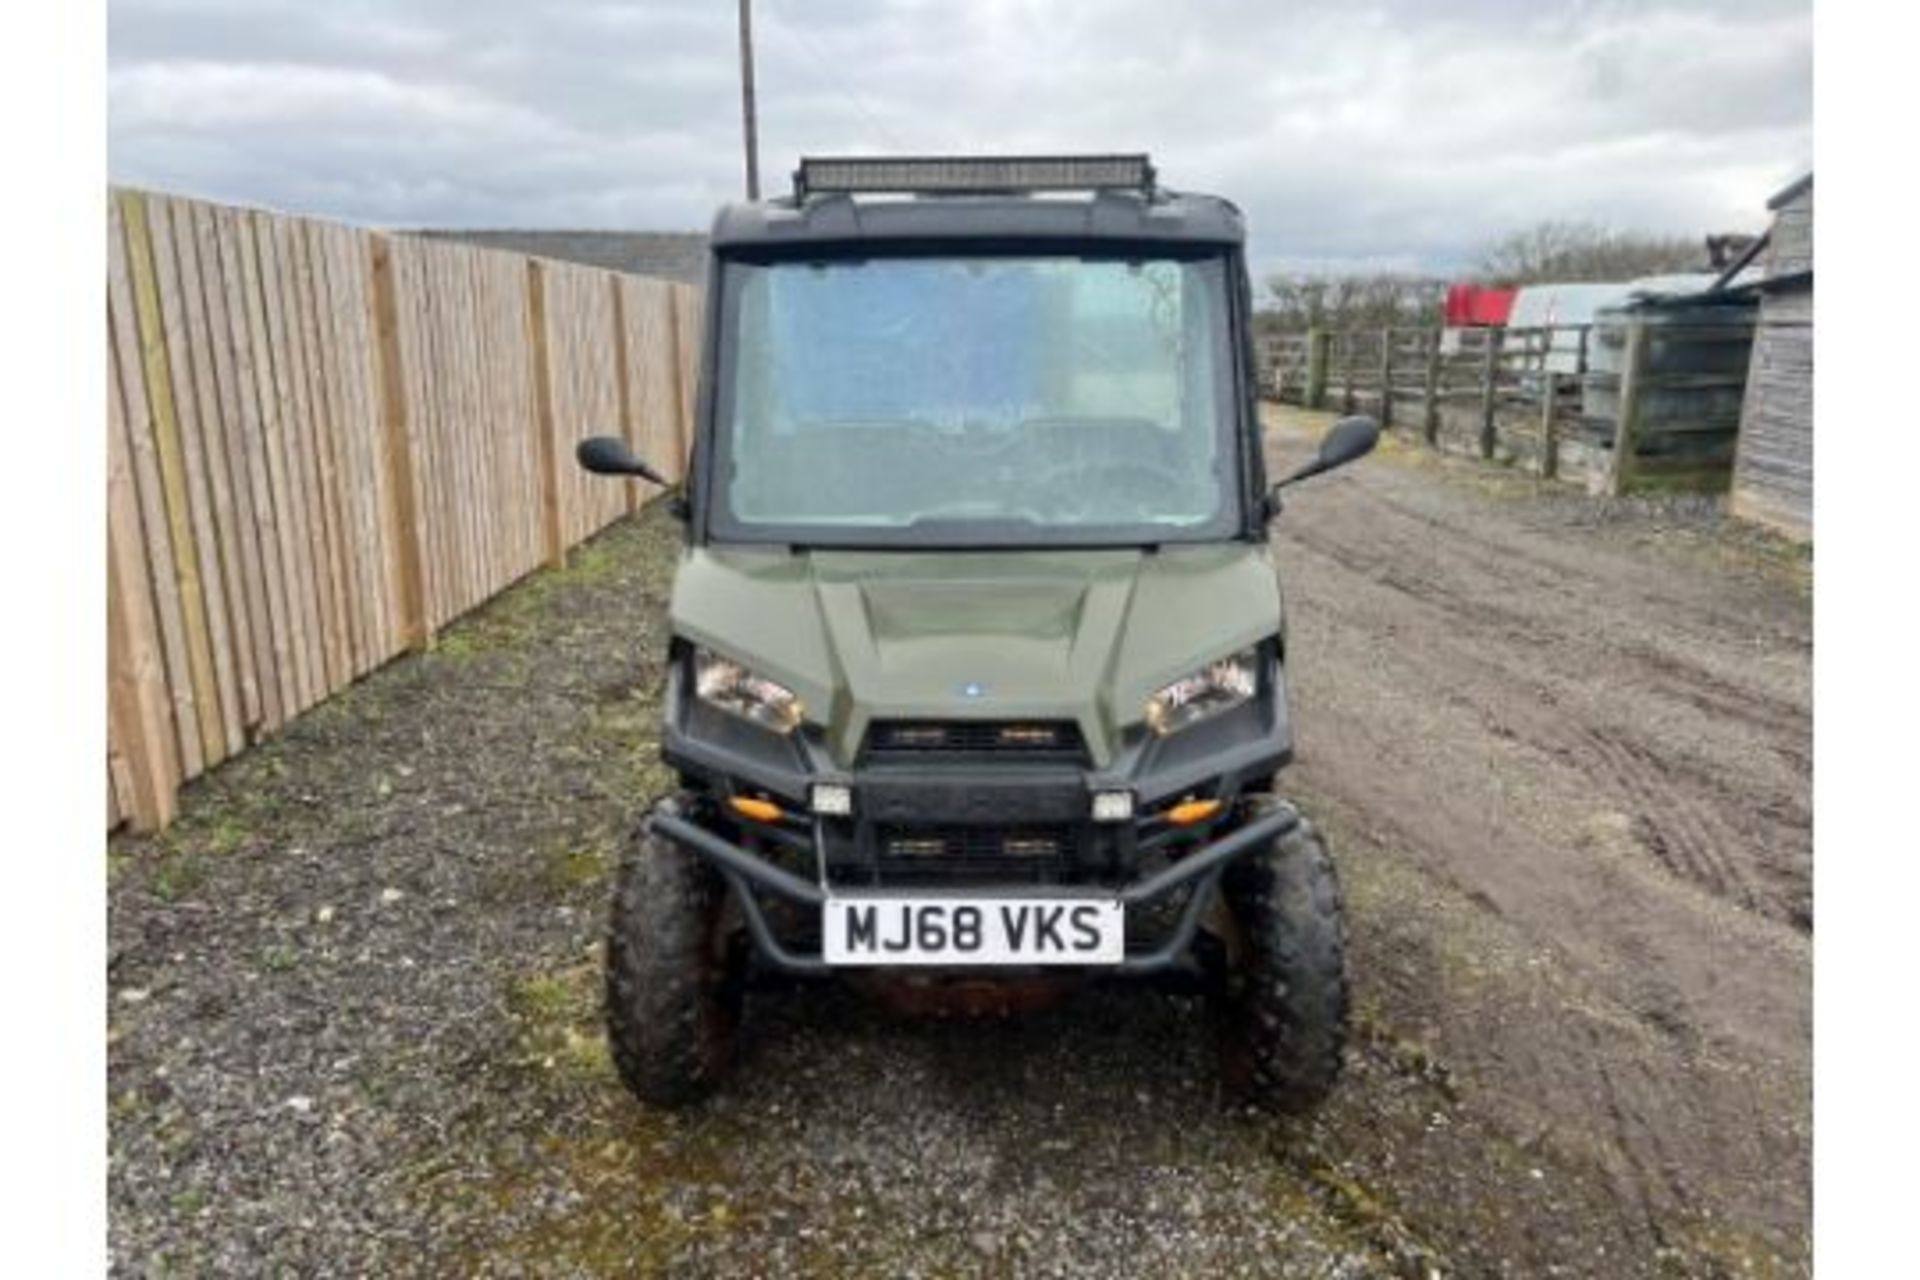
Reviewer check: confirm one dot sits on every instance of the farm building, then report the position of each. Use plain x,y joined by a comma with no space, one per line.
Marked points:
1773,473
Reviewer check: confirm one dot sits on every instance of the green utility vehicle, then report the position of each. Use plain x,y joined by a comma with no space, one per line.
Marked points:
977,685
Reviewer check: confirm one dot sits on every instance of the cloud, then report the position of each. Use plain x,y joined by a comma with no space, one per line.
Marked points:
1402,132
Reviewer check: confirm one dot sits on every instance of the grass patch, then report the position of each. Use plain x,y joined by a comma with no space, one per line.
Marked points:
557,1028
569,868
176,875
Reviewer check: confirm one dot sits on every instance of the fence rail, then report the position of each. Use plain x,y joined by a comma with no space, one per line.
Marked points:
1544,397
326,443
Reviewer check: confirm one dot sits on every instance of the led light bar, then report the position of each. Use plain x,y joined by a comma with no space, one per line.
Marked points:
970,175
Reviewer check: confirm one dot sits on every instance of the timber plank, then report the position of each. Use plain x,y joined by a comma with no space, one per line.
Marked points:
259,279
364,478
336,429
433,417
288,388
208,454
139,718
246,595
622,373
131,358
552,521
186,357
173,479
309,286
462,374
265,602
399,453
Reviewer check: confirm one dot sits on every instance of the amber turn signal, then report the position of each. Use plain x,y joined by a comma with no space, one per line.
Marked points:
1188,812
758,810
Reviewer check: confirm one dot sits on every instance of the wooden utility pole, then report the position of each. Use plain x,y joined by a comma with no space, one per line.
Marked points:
750,126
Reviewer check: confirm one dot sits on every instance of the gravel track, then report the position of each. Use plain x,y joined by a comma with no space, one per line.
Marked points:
1560,750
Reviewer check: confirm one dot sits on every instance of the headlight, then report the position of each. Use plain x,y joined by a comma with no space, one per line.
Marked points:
1217,687
723,683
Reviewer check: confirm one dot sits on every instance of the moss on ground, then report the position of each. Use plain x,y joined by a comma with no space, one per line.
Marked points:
557,1027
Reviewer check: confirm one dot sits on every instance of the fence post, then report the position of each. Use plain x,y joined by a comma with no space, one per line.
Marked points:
686,374
1346,371
1490,392
137,710
1316,392
1430,399
1386,377
1549,425
552,524
1626,435
399,453
623,389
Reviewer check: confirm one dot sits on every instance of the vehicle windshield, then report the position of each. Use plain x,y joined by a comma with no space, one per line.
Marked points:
976,400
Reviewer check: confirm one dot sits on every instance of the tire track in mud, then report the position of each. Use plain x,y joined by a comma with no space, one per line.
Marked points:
1572,758
1668,822
1695,841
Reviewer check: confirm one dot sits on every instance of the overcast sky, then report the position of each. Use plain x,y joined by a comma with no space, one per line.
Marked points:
1400,134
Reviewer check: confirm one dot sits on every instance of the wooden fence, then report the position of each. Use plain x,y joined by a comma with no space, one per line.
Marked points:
1512,393
326,443
1608,404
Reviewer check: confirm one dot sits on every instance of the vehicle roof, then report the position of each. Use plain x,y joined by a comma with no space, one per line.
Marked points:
1170,217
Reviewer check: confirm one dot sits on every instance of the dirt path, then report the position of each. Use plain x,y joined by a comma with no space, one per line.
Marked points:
1566,751
1562,755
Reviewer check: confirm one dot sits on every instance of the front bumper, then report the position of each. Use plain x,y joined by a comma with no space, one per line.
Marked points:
957,823
1197,870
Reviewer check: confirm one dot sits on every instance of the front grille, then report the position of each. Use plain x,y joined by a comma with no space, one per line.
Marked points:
985,855
1022,739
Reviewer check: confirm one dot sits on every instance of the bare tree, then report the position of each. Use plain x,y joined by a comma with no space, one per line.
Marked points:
1575,251
1314,300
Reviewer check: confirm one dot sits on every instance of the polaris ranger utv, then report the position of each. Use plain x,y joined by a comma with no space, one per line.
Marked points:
977,684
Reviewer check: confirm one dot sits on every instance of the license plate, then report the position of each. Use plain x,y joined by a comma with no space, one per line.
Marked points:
972,931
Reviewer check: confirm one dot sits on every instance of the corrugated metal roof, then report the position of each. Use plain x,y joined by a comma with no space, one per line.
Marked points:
1546,304
1791,190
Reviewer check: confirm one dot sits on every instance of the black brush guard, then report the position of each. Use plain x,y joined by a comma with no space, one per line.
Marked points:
747,872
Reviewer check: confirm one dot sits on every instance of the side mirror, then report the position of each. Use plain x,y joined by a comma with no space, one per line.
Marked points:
1350,440
609,456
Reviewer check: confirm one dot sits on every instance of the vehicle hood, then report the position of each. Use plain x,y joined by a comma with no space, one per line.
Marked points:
1085,635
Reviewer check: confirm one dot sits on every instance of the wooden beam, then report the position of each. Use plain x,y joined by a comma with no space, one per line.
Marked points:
130,357
173,478
1319,343
1430,392
1386,377
1489,392
246,598
209,481
623,388
1549,424
1626,435
552,518
399,455
140,720
685,360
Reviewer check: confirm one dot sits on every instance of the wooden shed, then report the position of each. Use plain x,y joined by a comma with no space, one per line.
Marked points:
1773,471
